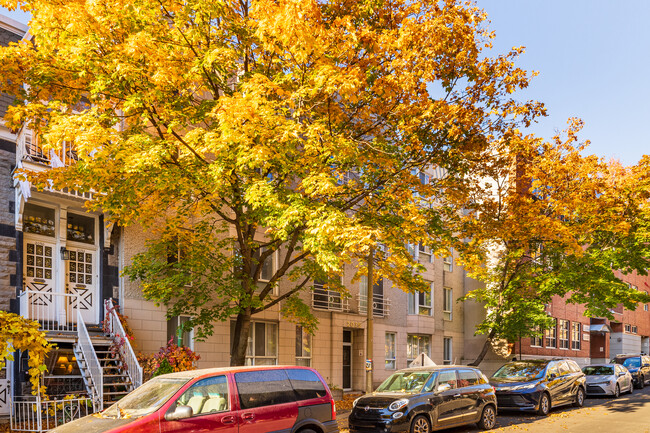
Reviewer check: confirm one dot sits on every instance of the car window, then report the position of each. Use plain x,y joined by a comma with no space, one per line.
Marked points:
563,367
405,381
467,378
574,366
618,369
448,377
483,379
207,396
599,370
306,383
632,362
552,369
264,388
521,371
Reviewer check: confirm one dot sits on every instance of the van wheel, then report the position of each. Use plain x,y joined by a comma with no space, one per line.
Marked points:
580,398
544,405
420,424
488,418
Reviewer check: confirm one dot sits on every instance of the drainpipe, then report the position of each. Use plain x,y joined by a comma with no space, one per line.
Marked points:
369,328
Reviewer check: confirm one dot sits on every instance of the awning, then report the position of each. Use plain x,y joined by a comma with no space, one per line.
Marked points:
601,327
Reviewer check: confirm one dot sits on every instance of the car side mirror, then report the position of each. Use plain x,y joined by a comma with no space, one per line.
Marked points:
181,412
443,387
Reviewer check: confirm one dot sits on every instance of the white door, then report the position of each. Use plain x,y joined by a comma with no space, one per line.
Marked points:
4,391
81,280
39,281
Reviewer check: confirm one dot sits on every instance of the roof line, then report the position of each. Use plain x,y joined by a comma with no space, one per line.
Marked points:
12,25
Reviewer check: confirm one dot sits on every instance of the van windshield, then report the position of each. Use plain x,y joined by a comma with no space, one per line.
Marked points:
405,381
146,399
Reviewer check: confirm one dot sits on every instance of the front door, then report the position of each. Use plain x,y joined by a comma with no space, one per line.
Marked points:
347,360
38,271
81,280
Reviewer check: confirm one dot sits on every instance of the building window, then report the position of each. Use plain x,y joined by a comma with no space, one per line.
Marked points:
448,262
645,307
628,328
303,347
39,220
80,229
575,336
380,304
634,329
421,302
325,299
425,253
269,265
536,340
448,303
564,333
262,343
447,351
390,362
178,334
550,335
416,344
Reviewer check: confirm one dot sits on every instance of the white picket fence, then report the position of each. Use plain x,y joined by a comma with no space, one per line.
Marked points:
33,414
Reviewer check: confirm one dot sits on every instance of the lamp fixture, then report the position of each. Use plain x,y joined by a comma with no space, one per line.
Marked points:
65,254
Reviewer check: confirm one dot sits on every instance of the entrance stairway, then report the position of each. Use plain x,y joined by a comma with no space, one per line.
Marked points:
116,382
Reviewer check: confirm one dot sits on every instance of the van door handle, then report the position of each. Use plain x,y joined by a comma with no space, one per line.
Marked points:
250,416
228,419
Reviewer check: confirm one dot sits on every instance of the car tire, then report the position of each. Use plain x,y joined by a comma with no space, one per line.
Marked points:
617,391
488,418
420,424
307,430
642,383
544,405
580,398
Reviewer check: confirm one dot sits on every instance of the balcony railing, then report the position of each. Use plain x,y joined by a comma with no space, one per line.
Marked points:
330,300
380,305
56,312
29,149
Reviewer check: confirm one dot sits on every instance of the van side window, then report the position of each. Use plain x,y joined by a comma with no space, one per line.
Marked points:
206,396
467,378
306,384
448,377
264,388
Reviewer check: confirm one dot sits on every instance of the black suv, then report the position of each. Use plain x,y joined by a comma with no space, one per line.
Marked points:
639,366
422,399
539,384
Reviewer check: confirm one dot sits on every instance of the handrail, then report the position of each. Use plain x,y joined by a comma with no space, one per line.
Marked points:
116,331
92,362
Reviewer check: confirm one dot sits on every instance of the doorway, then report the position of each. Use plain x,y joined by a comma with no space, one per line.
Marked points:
347,360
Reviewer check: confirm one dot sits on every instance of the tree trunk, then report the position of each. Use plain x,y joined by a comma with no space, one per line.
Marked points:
240,338
484,351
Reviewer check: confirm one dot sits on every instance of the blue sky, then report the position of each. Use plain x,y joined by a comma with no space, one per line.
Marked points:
593,62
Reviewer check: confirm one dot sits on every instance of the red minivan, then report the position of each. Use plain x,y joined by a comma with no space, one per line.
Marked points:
232,399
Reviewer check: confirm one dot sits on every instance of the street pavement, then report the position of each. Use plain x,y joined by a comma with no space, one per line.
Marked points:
627,414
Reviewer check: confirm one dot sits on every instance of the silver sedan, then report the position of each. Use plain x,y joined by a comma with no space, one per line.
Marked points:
608,379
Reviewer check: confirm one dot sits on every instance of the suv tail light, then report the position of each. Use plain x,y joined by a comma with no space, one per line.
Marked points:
333,410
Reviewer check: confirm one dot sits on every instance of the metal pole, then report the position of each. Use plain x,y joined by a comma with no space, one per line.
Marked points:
369,328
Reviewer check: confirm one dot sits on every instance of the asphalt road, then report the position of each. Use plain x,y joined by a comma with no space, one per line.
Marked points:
627,414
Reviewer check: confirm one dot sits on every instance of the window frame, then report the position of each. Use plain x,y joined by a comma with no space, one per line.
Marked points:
563,333
252,358
390,359
419,341
305,350
550,336
447,350
415,306
536,340
448,303
576,337
176,326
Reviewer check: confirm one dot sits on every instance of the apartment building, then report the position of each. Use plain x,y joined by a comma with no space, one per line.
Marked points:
592,339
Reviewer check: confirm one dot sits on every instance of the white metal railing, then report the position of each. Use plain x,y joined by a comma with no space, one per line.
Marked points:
55,311
380,305
330,300
29,149
33,414
121,340
92,364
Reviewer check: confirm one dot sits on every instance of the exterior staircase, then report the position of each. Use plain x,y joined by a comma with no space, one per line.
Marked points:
108,364
116,382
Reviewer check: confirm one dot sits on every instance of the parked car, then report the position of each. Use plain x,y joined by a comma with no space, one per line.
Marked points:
235,399
539,385
423,399
608,379
638,365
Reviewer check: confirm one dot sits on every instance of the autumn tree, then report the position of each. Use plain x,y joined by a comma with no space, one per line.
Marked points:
292,129
543,221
